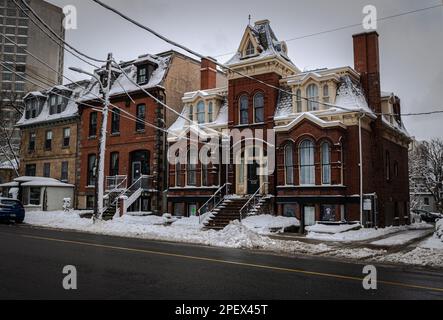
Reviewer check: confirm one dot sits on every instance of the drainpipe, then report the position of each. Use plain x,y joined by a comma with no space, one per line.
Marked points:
360,147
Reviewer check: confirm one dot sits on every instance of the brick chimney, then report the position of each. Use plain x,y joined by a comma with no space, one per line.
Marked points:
208,78
367,63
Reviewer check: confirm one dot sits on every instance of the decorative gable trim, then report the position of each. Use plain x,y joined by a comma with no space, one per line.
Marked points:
311,118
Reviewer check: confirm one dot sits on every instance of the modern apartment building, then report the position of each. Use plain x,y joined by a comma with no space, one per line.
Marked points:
20,73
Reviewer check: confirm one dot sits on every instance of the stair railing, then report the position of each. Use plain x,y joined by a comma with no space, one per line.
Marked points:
141,182
215,200
253,201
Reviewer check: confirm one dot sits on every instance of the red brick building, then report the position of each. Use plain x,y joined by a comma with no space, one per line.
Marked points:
135,156
309,167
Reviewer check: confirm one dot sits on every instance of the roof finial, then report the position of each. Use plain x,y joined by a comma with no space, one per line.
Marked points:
249,18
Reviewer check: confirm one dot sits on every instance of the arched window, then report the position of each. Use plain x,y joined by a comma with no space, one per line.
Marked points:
191,112
326,93
244,109
250,50
201,112
307,163
312,95
259,108
191,169
210,112
326,163
298,101
289,164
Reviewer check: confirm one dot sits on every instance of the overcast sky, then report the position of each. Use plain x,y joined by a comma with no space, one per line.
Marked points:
411,46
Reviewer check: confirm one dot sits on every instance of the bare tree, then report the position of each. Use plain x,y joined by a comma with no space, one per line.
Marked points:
11,109
426,170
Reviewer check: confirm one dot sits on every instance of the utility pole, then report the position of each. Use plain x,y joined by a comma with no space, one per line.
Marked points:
99,190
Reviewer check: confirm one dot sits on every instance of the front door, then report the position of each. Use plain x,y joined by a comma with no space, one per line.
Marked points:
136,171
309,215
253,178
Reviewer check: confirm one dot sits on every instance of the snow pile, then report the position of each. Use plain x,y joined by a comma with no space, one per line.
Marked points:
418,257
365,234
439,229
401,238
332,229
264,224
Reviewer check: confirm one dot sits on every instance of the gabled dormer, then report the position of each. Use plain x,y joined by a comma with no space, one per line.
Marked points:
34,102
261,52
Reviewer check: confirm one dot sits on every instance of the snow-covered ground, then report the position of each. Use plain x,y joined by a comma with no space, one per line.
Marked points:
235,235
364,234
401,238
332,229
264,224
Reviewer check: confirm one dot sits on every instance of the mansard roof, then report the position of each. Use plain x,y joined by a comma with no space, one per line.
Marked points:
262,35
72,91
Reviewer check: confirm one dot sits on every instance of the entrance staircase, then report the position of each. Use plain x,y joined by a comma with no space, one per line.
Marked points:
128,194
234,207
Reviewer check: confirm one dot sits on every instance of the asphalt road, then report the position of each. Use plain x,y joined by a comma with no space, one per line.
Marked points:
32,260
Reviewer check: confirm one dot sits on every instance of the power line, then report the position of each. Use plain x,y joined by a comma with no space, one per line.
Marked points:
51,37
346,27
150,30
125,115
56,35
216,62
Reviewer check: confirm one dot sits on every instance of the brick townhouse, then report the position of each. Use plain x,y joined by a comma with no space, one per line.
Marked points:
135,151
317,117
49,132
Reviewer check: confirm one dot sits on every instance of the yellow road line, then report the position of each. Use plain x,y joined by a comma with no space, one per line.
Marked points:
299,271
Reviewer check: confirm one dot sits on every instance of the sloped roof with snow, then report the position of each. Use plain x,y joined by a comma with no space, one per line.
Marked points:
350,98
72,90
123,85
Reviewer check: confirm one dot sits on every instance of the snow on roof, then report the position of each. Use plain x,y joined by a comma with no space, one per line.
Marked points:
123,85
284,104
269,44
41,182
351,96
34,94
9,165
70,111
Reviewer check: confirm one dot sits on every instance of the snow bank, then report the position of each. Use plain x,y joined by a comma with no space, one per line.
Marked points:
365,234
439,229
332,229
264,224
401,239
418,257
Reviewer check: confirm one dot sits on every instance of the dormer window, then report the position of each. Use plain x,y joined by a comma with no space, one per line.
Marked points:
32,108
142,74
250,50
201,112
56,104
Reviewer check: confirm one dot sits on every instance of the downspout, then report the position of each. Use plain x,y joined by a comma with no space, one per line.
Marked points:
360,147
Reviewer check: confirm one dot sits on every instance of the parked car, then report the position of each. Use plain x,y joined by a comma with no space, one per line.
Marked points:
426,216
11,210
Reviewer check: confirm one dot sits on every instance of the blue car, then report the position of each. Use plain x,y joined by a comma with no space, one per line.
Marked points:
11,209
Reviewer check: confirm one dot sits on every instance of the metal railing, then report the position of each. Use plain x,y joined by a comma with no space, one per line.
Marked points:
253,201
144,182
115,183
214,201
